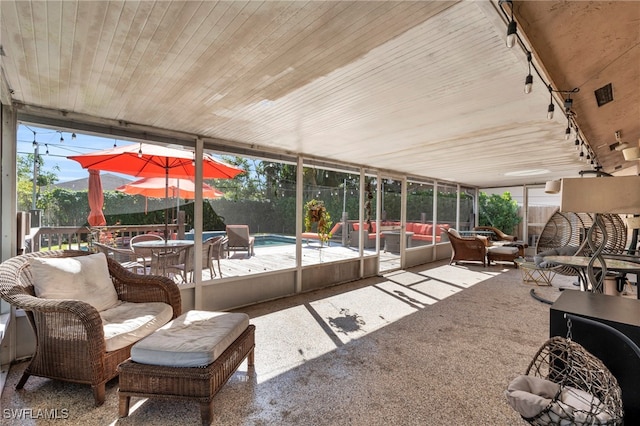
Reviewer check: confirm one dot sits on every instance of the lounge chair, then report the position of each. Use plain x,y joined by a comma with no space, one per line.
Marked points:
316,236
499,235
239,239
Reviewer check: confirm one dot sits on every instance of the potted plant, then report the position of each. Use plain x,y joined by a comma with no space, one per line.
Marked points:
316,212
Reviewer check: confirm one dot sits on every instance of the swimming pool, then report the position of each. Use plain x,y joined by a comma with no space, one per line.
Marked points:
273,240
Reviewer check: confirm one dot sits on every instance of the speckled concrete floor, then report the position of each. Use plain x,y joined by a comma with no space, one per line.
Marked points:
434,345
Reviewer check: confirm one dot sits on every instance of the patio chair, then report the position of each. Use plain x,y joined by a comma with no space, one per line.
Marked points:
127,258
86,315
239,239
216,252
143,254
467,249
212,249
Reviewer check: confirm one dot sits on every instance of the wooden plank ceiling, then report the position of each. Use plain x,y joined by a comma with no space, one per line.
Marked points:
420,88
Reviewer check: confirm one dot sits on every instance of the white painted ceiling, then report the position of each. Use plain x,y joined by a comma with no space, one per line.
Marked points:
419,88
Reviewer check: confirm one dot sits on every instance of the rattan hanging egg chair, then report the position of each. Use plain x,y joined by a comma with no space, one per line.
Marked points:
566,385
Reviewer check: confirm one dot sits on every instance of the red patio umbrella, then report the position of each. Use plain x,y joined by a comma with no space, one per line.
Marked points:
96,199
178,188
148,160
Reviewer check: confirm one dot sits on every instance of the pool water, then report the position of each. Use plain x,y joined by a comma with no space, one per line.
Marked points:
273,240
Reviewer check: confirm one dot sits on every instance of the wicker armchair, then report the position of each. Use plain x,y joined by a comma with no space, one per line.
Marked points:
69,333
499,235
467,249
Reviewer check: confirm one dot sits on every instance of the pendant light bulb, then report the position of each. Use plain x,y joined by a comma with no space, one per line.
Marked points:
567,133
511,33
73,136
550,111
528,81
528,84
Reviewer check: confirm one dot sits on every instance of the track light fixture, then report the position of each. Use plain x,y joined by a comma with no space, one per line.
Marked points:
528,81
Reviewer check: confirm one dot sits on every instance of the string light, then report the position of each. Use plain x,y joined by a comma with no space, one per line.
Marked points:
528,81
551,106
572,126
512,28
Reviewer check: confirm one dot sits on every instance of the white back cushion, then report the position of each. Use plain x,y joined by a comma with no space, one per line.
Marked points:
83,278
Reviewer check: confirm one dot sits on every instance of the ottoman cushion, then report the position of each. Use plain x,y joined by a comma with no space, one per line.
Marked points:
194,339
503,250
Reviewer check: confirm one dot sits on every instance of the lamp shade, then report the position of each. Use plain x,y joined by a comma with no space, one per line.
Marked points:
552,187
631,154
633,222
616,194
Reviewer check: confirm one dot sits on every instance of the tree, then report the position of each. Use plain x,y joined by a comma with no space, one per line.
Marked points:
44,183
499,211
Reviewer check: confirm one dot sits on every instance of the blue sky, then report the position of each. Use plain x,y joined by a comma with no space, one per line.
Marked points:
49,139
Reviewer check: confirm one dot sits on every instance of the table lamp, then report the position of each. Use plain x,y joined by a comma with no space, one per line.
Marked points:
613,195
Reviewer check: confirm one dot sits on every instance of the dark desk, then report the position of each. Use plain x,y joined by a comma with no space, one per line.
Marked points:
621,313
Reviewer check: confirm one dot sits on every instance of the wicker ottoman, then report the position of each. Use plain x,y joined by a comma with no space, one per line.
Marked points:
196,383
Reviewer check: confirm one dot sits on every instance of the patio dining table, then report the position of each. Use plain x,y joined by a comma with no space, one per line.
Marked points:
165,253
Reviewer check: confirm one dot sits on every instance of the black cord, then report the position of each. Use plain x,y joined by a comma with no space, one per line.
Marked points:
538,298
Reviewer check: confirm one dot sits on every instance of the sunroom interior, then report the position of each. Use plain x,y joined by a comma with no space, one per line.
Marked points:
389,112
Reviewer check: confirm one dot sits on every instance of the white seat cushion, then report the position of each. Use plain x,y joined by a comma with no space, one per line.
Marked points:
129,322
503,250
84,278
194,339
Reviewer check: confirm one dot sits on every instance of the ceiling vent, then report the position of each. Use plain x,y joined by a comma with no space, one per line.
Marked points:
604,95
